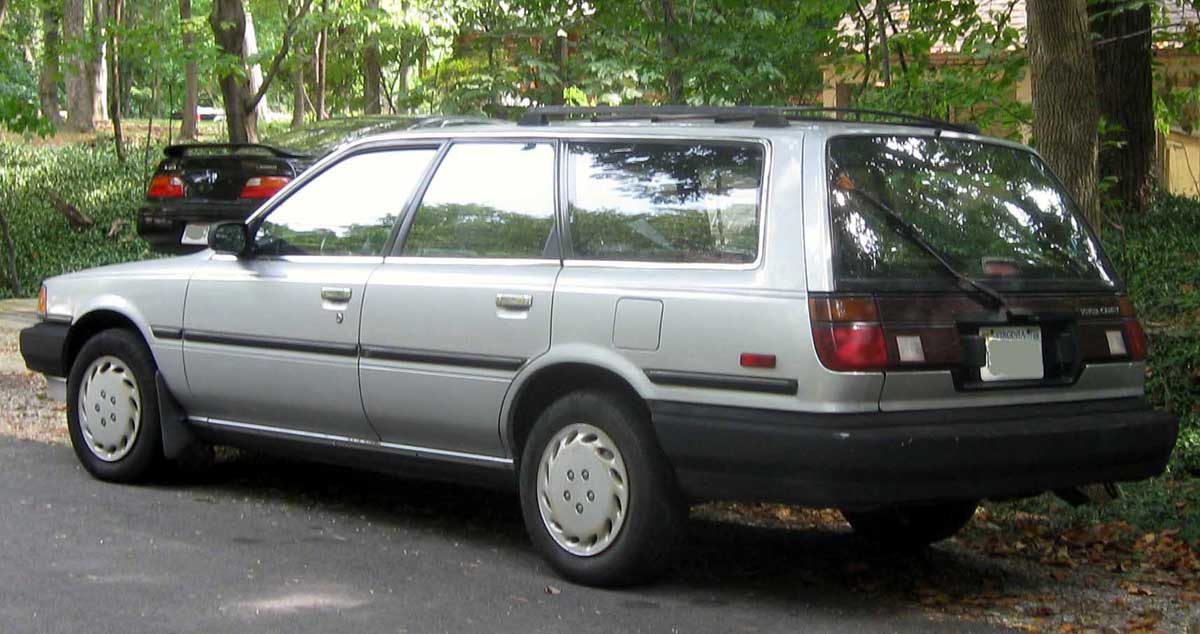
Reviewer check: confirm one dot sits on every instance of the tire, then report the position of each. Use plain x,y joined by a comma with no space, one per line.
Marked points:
119,438
911,527
628,532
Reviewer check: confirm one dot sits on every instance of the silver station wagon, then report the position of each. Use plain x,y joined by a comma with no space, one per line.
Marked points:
618,312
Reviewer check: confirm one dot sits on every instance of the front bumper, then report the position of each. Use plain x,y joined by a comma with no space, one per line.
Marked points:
44,347
863,461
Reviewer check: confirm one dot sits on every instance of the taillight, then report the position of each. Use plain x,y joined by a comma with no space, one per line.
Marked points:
851,347
263,186
1135,339
165,186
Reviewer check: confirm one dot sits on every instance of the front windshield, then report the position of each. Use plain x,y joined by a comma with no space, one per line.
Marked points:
995,213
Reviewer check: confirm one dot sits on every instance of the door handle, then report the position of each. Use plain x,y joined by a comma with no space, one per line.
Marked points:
340,295
514,301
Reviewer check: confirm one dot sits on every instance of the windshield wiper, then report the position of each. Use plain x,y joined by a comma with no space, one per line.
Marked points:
913,235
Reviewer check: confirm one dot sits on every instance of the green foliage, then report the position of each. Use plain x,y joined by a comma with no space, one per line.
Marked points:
1158,255
87,176
979,83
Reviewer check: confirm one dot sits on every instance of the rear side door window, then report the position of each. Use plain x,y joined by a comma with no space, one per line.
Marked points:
488,200
665,201
349,209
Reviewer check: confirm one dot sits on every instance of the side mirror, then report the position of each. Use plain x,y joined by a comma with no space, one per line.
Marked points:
229,237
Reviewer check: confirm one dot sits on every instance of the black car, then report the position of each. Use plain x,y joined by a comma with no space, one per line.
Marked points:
198,184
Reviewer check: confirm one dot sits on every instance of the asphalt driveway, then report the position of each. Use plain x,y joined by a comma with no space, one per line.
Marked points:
259,545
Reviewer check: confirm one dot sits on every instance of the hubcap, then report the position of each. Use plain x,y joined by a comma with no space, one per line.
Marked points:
583,489
110,408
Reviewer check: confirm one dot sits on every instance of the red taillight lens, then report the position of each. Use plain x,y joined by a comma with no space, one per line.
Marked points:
1135,340
263,186
165,186
847,348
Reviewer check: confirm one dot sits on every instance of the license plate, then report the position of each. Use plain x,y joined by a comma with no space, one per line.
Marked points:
195,233
1014,353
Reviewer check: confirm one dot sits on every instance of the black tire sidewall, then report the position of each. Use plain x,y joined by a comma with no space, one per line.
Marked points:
656,514
146,453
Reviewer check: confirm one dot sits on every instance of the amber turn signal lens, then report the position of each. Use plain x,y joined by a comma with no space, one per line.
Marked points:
42,301
1126,307
843,309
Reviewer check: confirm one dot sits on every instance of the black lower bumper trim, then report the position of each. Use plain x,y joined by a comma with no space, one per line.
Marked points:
883,458
44,346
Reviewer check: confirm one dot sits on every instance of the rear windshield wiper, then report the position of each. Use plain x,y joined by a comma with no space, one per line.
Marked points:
913,235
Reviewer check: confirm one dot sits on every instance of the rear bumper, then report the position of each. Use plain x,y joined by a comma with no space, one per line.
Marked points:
870,460
43,346
162,225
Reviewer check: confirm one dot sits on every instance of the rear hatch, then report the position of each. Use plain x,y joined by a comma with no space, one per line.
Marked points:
965,273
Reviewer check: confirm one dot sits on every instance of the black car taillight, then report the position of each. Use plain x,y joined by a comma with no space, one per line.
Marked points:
165,186
263,187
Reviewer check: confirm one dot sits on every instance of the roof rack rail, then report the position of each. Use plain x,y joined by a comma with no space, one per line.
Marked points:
762,116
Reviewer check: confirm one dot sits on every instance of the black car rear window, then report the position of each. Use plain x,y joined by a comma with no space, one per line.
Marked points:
993,211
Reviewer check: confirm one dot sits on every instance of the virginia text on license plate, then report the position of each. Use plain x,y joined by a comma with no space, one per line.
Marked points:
1014,353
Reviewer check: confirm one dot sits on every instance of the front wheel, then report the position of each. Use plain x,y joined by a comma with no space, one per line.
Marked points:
112,408
598,497
911,527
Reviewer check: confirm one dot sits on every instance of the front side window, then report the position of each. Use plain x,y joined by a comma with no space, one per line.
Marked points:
994,212
348,209
665,201
488,200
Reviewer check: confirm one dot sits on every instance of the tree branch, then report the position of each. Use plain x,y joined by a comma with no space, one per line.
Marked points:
280,55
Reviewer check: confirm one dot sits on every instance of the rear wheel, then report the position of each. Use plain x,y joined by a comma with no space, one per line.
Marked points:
598,497
112,408
911,527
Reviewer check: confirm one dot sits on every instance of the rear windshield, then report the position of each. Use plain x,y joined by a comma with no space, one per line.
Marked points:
317,139
995,213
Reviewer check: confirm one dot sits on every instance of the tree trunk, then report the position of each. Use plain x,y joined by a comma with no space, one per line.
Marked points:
3,11
99,61
1124,81
885,52
191,97
254,74
322,52
372,73
79,92
228,22
1065,115
299,99
50,73
670,49
115,7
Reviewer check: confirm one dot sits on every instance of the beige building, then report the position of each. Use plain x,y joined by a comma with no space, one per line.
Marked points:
1178,152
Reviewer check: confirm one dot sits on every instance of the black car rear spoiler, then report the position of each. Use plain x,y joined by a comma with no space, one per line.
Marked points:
182,150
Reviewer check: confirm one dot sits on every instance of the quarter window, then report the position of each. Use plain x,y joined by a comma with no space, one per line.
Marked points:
348,209
665,202
488,200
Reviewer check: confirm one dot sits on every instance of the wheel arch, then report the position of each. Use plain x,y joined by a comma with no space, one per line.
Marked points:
94,322
551,376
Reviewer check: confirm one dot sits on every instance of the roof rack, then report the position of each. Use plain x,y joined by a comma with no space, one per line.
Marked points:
762,116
